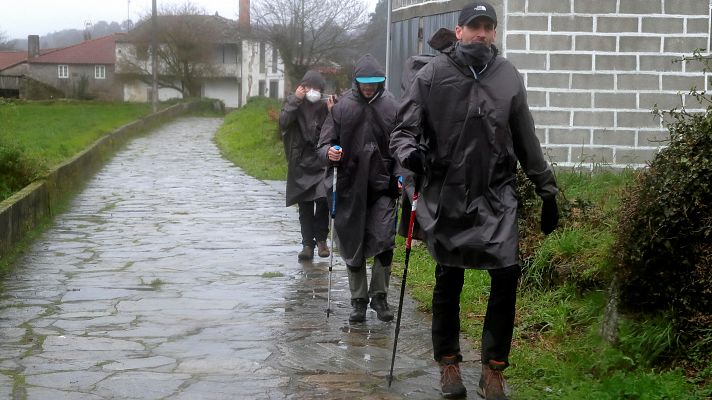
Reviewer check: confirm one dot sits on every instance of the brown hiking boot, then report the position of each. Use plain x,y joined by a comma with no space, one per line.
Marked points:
307,253
322,248
492,382
451,378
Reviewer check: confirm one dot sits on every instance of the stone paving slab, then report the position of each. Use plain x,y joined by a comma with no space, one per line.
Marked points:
174,275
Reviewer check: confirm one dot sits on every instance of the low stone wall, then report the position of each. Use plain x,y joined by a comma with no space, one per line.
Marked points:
27,208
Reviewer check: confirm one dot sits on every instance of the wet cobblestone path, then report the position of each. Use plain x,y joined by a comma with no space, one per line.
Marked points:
174,275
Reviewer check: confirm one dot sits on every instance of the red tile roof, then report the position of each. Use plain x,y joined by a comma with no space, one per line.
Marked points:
10,58
96,51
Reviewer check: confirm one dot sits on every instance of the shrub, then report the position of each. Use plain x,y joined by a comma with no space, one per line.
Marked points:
664,248
17,169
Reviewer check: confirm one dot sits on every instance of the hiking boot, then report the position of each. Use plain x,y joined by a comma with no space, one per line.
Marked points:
307,253
492,382
451,378
380,305
322,248
359,312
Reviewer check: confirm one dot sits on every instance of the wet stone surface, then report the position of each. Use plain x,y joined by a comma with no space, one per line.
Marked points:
174,275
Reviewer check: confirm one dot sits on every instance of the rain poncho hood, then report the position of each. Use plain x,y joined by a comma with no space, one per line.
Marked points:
314,80
368,67
300,123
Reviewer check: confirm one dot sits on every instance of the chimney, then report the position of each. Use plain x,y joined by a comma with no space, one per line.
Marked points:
33,46
87,31
243,23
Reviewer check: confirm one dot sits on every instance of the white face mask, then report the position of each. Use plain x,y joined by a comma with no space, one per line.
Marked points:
313,95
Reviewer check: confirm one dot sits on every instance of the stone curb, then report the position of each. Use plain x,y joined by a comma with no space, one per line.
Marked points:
25,209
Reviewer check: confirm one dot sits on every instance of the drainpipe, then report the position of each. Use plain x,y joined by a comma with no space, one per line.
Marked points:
154,58
389,4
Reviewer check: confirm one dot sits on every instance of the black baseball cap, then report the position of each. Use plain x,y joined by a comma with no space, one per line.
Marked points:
477,9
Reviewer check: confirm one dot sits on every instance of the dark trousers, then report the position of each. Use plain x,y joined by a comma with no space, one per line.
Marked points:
499,319
314,221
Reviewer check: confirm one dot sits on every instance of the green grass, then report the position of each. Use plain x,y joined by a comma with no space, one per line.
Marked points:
56,131
250,138
156,283
35,136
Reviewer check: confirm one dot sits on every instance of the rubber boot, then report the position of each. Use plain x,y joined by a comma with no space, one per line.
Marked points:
380,276
380,305
358,283
358,314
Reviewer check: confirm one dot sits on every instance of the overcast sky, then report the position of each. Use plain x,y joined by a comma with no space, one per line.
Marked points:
19,18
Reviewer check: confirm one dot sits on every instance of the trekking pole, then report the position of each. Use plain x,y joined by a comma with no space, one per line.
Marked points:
408,244
331,234
400,180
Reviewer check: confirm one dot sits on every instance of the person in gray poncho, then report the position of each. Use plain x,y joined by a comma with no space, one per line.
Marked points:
464,123
300,122
360,123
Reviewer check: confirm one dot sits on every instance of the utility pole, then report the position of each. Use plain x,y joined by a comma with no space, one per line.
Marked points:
389,4
154,57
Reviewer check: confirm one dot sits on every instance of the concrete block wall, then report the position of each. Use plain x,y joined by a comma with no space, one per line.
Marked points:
595,69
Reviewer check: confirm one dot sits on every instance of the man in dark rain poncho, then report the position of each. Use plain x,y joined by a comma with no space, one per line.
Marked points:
464,123
300,121
360,123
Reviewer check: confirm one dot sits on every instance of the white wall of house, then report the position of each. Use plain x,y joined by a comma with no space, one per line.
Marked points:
262,71
227,90
137,91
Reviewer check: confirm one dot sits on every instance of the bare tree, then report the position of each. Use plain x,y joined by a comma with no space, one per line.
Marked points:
5,43
308,32
187,40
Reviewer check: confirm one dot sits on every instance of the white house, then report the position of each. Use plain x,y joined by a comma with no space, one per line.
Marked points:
241,67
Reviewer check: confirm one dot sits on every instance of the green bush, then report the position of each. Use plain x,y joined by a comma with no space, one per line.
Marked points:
17,169
664,248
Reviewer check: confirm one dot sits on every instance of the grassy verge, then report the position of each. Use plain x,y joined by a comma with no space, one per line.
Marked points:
250,138
54,132
557,352
38,135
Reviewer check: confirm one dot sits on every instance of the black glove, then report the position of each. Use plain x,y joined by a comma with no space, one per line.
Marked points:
415,162
549,215
393,187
